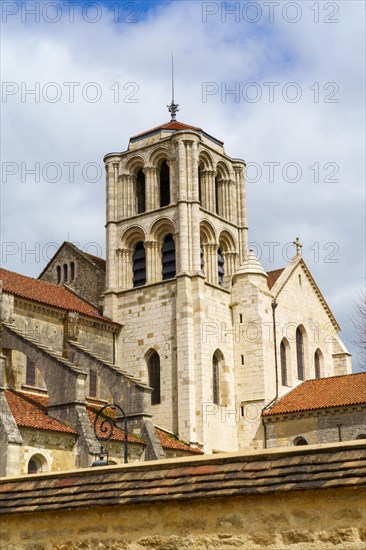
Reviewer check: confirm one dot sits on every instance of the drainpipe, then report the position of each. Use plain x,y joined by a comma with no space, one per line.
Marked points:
274,305
339,432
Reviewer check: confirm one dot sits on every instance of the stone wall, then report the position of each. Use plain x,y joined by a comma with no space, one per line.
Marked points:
323,426
89,279
257,501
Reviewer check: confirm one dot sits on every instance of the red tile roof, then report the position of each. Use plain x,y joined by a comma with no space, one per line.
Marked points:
172,125
169,441
47,293
323,393
273,276
30,411
118,434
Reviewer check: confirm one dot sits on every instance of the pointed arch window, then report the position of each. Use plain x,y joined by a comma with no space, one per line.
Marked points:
220,267
168,258
66,273
317,364
283,364
140,192
199,185
164,184
139,265
215,379
30,373
154,378
300,355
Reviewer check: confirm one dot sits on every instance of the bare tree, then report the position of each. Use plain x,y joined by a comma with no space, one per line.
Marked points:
359,325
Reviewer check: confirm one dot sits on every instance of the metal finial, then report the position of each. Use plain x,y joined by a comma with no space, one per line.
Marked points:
298,245
173,108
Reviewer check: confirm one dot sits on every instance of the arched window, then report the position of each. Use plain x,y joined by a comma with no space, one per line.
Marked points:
317,364
220,267
154,377
168,258
66,273
37,463
283,363
300,441
164,184
215,379
72,271
58,271
139,265
300,354
30,373
92,383
361,436
140,192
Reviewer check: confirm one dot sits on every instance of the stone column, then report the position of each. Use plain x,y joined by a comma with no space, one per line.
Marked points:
124,259
152,262
195,222
183,256
233,200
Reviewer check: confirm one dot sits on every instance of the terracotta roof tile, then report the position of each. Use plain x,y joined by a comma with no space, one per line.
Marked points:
273,276
118,433
194,479
323,393
169,441
30,411
171,125
47,293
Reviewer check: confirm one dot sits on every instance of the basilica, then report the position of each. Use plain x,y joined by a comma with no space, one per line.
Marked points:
180,326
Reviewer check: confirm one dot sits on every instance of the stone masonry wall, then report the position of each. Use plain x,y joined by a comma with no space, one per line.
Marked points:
330,519
321,427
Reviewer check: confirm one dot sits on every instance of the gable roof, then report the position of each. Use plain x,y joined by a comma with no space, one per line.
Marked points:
285,274
323,393
273,276
48,293
95,260
174,126
30,411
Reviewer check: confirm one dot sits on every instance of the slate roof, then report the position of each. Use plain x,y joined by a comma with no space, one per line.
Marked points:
30,411
47,293
186,479
323,393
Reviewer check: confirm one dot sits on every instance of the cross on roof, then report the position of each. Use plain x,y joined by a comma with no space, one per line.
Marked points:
298,245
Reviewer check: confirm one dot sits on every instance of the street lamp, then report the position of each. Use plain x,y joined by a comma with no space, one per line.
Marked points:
106,427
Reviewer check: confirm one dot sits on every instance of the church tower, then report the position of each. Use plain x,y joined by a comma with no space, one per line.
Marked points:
176,234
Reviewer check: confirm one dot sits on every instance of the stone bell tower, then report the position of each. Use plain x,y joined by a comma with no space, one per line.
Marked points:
176,234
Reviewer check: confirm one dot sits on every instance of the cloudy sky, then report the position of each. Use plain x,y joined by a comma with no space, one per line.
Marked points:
281,83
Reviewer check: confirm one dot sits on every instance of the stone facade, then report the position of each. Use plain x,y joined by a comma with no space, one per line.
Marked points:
79,270
211,322
321,426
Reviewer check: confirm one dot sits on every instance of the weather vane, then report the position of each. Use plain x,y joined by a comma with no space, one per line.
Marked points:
173,108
